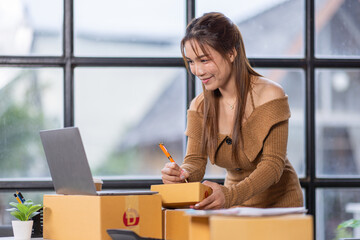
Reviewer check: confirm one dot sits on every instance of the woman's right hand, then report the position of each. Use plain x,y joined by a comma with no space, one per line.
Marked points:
172,173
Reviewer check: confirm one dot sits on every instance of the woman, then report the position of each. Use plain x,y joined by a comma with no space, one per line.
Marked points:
239,121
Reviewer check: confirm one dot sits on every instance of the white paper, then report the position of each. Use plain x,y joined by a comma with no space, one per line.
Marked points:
246,211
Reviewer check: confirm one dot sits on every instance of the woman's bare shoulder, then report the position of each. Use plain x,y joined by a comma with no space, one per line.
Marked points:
266,90
195,103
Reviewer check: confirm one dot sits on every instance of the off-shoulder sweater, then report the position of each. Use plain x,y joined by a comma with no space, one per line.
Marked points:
262,176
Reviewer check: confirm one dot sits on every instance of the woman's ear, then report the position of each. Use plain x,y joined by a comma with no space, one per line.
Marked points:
232,55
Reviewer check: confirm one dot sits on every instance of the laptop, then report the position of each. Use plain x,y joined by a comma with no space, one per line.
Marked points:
69,167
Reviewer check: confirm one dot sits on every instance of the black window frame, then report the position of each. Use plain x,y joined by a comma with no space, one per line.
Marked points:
68,62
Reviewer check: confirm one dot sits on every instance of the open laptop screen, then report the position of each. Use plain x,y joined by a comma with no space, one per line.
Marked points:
66,157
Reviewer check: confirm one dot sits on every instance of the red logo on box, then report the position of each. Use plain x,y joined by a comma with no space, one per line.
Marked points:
206,194
131,217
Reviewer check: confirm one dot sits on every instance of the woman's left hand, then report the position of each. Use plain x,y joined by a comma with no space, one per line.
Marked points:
215,201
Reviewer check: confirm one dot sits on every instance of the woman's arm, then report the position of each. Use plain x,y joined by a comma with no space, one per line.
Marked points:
194,161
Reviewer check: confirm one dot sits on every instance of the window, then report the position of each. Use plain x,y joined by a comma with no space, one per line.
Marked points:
270,28
27,30
115,71
31,100
144,106
129,28
337,29
337,122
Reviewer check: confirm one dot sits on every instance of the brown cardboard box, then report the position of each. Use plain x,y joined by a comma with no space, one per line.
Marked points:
294,227
176,226
180,226
163,222
199,228
88,217
181,195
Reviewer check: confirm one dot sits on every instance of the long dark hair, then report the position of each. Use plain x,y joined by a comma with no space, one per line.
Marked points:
218,32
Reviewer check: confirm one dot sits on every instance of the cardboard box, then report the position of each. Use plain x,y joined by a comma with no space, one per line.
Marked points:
294,227
180,226
181,195
88,217
163,222
176,225
200,229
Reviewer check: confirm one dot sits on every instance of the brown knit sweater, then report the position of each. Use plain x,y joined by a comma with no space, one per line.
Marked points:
263,176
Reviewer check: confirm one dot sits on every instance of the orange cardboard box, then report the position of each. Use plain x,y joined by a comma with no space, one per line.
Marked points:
181,195
69,217
177,224
294,227
180,226
163,222
199,228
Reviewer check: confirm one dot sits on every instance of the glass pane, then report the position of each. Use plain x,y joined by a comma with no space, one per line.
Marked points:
270,28
337,122
8,196
30,100
333,206
337,29
138,28
26,29
293,82
123,113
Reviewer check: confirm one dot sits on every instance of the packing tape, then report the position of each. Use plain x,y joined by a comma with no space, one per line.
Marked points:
131,215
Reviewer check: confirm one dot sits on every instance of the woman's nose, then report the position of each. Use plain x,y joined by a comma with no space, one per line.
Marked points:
198,70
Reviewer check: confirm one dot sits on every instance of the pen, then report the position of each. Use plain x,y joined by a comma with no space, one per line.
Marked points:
20,196
17,198
167,154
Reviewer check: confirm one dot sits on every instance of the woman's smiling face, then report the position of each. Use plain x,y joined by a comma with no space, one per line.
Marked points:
210,67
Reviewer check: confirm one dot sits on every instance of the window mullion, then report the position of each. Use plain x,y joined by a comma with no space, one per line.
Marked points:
68,50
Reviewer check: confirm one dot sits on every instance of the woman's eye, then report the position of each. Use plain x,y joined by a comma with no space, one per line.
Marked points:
204,60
